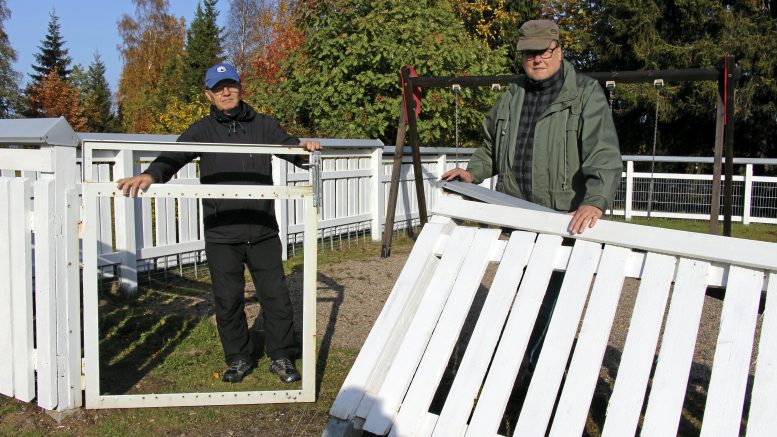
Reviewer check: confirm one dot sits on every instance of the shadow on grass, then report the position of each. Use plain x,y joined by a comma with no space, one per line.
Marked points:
139,331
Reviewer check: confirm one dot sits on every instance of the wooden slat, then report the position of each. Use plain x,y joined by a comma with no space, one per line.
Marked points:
485,336
371,364
105,218
409,354
637,358
21,289
731,364
763,402
512,345
6,320
45,293
583,371
544,385
674,360
446,333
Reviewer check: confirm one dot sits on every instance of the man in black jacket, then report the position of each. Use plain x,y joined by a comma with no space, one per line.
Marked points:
238,232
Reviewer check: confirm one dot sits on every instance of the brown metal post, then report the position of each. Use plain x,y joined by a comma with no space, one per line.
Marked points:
728,135
717,163
415,146
396,169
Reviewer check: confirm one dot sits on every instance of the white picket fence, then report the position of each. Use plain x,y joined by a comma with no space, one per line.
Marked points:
402,365
39,206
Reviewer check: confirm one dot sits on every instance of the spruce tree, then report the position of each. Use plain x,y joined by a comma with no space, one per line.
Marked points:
97,98
203,48
53,54
9,88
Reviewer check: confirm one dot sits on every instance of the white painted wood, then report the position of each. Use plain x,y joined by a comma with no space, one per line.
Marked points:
90,296
125,225
763,401
515,337
45,293
731,364
21,289
637,358
674,360
69,306
6,303
375,192
372,363
483,342
745,253
748,191
409,354
310,277
430,371
583,372
629,189
105,213
546,379
27,159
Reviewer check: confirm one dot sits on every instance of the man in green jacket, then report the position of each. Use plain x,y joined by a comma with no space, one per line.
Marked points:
550,138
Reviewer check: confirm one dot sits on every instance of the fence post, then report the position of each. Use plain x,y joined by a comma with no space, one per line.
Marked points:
629,190
748,194
377,197
280,169
125,225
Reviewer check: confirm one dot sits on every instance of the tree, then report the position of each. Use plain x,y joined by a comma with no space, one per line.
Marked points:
97,98
243,36
56,98
279,37
638,35
149,41
53,55
343,80
203,48
9,79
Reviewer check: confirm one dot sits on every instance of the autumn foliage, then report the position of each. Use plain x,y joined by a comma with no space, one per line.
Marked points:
282,37
55,98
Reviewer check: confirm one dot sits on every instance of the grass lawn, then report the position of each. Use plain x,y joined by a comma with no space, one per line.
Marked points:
753,231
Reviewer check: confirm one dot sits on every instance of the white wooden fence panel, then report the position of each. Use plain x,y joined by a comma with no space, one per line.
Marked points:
371,364
409,354
547,376
674,359
485,336
21,289
634,370
763,403
523,313
45,293
6,302
583,372
105,213
726,392
446,333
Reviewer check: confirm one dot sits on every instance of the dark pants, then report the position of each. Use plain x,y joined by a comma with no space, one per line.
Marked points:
263,260
537,338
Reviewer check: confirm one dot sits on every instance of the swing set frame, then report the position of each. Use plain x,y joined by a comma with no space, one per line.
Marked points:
726,77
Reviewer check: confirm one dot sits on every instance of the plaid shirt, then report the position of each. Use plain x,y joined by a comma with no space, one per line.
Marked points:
538,96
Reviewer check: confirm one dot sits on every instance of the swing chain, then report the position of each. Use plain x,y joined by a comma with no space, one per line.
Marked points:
658,84
456,91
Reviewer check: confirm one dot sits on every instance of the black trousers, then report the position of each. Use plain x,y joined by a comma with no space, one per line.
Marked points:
263,259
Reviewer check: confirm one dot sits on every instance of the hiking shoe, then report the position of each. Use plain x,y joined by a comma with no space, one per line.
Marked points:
237,370
284,368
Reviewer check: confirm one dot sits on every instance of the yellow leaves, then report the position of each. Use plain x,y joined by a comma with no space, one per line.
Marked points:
177,116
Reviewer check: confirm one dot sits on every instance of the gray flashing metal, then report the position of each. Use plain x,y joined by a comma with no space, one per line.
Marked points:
492,197
37,132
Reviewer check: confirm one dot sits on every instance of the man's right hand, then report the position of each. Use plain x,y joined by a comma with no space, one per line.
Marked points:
457,173
131,186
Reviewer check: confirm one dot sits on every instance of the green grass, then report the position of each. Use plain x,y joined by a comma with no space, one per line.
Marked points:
754,231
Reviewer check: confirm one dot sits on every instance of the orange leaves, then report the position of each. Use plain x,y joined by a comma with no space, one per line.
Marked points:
280,38
53,97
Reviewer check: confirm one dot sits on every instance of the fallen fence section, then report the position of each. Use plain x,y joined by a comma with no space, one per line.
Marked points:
398,372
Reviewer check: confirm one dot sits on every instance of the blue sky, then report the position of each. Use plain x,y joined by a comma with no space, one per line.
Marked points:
85,25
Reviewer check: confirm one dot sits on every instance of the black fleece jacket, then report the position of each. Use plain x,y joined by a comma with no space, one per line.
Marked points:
231,220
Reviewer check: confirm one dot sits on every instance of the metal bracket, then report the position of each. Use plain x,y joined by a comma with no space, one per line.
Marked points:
658,83
315,178
610,85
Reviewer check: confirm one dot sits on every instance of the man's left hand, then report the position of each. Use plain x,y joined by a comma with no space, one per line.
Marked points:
311,146
585,217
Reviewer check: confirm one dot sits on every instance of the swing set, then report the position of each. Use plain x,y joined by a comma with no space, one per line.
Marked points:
726,77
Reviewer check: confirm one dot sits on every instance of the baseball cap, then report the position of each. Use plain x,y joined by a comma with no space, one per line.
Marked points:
537,35
219,72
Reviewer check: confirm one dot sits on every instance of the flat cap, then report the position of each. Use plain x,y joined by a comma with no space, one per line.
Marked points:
537,35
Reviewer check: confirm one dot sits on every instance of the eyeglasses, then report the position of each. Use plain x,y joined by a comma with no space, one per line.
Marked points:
543,54
219,89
